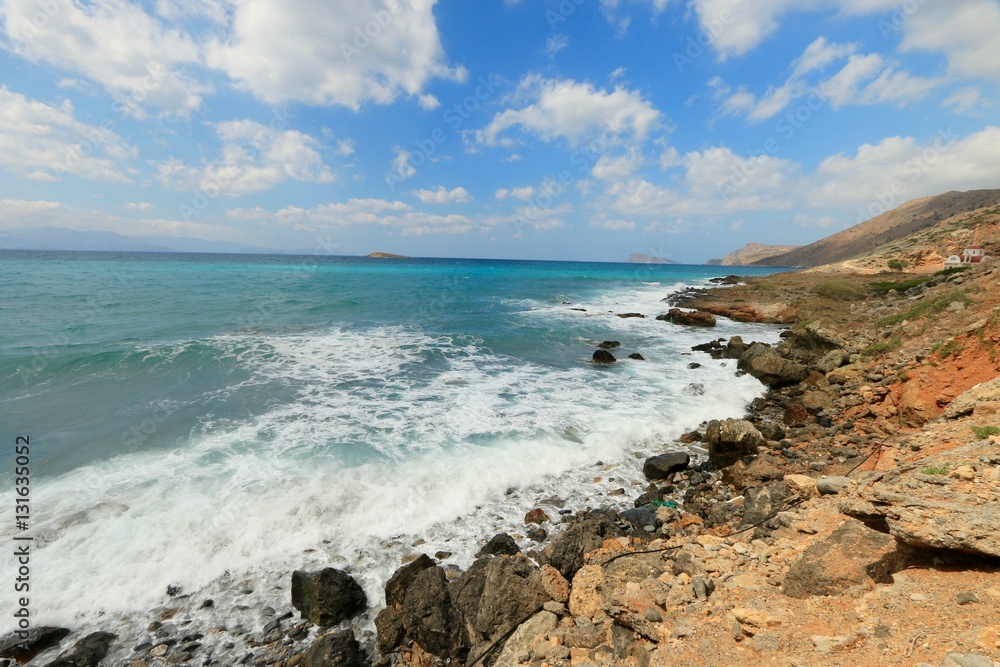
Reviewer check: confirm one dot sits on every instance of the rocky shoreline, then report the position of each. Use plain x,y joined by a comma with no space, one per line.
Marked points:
843,520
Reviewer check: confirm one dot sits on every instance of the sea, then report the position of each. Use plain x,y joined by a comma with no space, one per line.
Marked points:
213,422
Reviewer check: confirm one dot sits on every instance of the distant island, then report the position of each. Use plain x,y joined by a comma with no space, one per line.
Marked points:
640,258
386,255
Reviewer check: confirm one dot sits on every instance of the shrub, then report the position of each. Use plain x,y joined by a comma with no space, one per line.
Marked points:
936,470
897,264
839,290
983,432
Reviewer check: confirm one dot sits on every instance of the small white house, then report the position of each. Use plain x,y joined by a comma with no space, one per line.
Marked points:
974,254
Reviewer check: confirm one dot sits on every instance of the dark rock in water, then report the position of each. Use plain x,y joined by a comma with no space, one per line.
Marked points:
707,347
430,617
695,318
39,639
765,364
499,545
396,587
648,497
694,389
730,440
537,534
603,357
173,590
337,649
735,348
512,590
691,436
664,465
88,652
627,315
694,365
637,356
771,431
763,502
609,345
389,628
328,596
585,534
726,280
640,517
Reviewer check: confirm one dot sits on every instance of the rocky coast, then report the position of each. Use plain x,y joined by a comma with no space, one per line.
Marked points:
852,517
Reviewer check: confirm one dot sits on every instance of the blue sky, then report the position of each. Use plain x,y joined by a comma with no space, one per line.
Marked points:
535,129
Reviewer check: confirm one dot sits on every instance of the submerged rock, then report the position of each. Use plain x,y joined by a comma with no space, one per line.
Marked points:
39,639
609,345
328,596
695,318
499,545
603,357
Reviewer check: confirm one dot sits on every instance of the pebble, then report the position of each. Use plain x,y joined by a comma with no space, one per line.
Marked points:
919,597
965,597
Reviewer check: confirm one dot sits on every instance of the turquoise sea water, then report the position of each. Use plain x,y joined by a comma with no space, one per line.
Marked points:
195,418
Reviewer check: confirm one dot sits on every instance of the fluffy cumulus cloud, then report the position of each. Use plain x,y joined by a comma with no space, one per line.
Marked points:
43,142
254,158
338,52
378,213
114,42
563,108
443,195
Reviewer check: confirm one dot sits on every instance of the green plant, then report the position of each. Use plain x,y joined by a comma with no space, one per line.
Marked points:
897,264
839,290
882,348
936,470
899,286
951,270
949,348
983,432
927,308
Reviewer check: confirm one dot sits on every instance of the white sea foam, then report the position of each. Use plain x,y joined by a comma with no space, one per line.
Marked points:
394,435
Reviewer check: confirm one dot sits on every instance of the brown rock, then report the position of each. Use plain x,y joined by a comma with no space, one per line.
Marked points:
795,415
586,599
696,318
536,515
555,584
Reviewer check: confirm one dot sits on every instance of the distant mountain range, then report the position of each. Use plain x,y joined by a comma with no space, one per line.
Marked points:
751,253
640,258
56,238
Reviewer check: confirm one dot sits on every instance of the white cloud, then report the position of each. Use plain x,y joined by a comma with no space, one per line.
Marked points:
615,225
400,167
428,102
573,110
443,195
556,43
617,168
337,52
345,147
819,54
965,31
138,206
113,42
254,158
524,193
966,101
43,142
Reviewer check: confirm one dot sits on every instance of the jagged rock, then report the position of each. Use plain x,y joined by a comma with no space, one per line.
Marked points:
609,345
851,556
833,360
730,440
664,465
396,587
694,389
585,598
765,364
762,470
802,486
795,415
771,431
328,596
585,534
763,502
695,318
640,517
920,511
390,628
88,652
536,516
337,649
554,584
735,348
499,545
526,636
628,315
430,618
512,590
831,336
39,639
603,357
965,403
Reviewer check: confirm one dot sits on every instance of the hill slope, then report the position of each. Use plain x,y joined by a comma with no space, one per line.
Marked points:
911,217
754,252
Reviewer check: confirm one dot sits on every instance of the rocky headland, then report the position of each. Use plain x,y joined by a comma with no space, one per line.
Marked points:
852,517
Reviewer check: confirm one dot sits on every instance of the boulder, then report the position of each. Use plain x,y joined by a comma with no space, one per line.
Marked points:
609,345
603,357
965,403
88,652
536,516
39,639
512,591
526,636
771,431
833,360
831,486
640,517
396,587
664,465
765,364
735,348
337,649
730,440
555,584
328,596
795,415
499,545
762,470
582,536
430,618
851,556
802,486
637,357
763,502
695,318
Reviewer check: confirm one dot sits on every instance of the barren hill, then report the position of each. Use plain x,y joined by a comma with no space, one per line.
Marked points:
911,217
755,252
